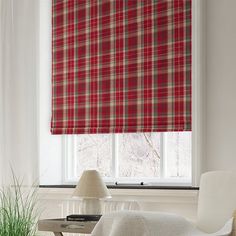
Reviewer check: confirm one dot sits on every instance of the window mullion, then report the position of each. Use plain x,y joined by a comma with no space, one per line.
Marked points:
65,161
114,157
75,160
162,154
69,161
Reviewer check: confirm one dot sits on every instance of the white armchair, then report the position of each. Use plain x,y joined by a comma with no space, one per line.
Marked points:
217,202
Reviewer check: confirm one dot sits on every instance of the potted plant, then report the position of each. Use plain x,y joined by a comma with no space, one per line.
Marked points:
18,210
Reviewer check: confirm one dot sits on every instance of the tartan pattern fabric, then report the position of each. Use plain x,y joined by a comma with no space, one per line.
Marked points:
121,66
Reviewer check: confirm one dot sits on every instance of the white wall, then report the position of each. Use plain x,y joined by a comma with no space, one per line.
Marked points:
221,85
18,90
50,145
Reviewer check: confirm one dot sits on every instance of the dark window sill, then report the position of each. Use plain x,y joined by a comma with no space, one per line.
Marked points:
129,187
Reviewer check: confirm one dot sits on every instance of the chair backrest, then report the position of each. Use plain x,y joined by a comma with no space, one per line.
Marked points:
217,200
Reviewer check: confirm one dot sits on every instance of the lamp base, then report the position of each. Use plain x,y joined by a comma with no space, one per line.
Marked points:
90,206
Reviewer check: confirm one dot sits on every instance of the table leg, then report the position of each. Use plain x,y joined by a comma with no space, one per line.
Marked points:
58,234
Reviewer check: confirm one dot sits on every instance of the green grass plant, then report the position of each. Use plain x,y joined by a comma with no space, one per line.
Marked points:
18,210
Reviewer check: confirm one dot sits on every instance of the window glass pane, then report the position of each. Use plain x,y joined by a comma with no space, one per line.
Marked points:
139,155
94,151
177,154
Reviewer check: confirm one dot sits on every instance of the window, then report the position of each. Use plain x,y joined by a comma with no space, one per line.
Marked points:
130,158
60,160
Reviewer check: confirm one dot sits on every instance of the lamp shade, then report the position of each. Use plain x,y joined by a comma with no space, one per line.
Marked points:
91,185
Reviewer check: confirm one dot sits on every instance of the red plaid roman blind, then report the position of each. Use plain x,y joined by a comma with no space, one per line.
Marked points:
121,66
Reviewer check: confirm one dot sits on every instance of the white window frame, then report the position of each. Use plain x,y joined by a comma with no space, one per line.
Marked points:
70,163
51,148
198,89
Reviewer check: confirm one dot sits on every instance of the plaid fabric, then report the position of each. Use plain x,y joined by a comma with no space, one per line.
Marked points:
121,66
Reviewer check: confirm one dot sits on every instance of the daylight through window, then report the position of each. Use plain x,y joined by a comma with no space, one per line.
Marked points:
131,157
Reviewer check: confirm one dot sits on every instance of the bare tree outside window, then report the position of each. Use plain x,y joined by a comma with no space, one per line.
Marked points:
136,155
139,155
94,152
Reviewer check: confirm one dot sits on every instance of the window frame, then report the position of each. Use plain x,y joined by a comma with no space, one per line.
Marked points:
70,162
198,89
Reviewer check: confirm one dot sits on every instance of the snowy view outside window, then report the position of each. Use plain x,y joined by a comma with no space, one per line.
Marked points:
94,152
178,154
139,155
132,156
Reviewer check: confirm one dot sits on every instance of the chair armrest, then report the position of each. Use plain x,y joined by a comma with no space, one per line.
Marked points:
227,229
234,225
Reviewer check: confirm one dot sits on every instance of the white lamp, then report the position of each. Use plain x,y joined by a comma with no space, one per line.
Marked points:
91,189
